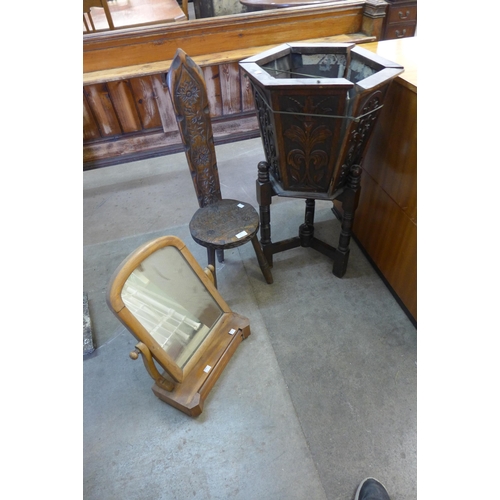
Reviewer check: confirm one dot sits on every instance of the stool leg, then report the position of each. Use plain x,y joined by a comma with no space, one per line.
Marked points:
211,261
264,265
220,255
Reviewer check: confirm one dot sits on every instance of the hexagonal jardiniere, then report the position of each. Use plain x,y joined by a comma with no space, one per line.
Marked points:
316,105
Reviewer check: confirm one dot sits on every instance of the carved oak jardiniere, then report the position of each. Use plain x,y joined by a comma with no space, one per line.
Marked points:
317,105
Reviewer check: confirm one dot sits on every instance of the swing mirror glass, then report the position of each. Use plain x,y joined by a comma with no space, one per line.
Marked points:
170,301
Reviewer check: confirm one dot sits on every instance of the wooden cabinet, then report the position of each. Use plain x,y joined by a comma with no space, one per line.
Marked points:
401,19
385,224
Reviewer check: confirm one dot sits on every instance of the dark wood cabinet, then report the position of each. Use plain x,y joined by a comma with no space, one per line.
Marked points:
401,19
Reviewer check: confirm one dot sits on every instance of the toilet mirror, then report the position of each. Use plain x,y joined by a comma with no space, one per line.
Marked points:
171,306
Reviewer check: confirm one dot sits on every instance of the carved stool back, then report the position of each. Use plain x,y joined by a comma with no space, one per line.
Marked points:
190,101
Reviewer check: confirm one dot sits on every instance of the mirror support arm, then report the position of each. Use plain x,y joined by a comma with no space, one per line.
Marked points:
160,380
209,271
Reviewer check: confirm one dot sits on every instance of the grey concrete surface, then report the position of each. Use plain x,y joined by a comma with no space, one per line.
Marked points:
321,395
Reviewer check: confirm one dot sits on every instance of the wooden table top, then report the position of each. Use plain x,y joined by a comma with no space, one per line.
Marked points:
279,4
402,51
128,13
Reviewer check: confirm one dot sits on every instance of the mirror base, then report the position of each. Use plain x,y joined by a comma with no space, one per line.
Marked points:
189,396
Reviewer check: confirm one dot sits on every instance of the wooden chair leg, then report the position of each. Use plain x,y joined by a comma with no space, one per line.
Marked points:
211,262
264,265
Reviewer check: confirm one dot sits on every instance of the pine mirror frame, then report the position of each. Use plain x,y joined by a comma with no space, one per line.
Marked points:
184,387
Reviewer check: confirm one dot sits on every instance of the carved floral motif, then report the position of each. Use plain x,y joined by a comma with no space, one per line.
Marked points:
197,128
360,134
307,166
267,134
307,163
188,92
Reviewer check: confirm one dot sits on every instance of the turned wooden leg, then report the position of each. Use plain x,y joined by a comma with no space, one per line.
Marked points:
350,198
264,199
264,265
306,230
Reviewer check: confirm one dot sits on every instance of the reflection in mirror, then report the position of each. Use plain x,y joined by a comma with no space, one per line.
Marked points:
171,303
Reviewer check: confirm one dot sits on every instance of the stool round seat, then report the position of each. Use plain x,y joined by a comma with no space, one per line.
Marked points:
224,224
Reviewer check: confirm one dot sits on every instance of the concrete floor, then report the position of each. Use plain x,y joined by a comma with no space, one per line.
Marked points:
321,395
